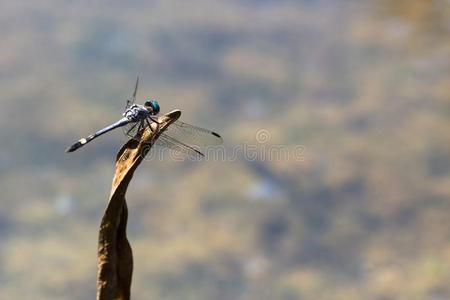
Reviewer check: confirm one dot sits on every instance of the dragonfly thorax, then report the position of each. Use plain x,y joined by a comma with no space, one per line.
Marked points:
136,112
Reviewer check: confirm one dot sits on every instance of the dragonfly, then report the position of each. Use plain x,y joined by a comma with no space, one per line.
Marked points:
179,136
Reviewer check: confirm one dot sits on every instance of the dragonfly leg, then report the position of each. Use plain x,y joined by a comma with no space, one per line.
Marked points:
153,119
141,127
149,125
128,132
139,130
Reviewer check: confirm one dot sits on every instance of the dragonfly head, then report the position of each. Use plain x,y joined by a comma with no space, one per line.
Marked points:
152,106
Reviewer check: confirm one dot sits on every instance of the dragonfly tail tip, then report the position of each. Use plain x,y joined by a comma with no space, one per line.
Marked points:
73,147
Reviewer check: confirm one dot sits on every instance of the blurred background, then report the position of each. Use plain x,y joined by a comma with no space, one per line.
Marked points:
362,86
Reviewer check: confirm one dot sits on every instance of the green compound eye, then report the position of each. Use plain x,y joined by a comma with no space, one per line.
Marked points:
153,104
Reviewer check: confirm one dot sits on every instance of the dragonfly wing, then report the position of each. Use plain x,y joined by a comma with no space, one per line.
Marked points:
193,135
169,142
133,98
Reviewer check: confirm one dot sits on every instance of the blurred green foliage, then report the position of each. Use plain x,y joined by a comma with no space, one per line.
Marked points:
364,86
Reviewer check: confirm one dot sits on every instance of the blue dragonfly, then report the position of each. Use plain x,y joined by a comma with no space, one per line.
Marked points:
179,136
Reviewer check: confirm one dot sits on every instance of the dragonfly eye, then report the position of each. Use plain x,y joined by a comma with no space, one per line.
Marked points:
154,105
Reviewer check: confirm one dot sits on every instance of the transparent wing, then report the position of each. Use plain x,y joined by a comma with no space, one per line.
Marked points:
178,137
169,142
193,135
133,98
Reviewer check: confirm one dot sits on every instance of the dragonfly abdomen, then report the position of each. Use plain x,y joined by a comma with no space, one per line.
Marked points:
89,138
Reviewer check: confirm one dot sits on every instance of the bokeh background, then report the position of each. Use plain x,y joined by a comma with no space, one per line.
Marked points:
362,86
